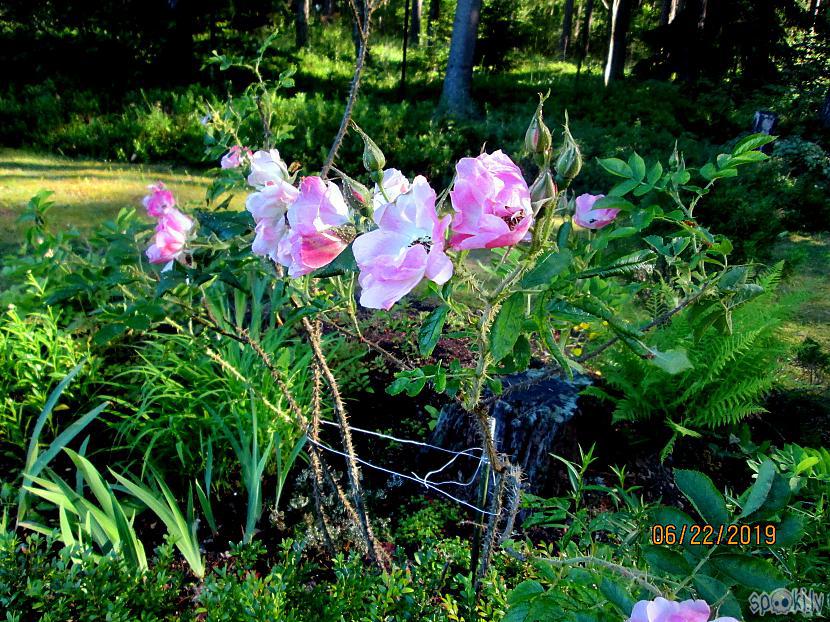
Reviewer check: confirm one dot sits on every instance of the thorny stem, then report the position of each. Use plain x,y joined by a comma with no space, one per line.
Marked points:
474,405
363,26
376,554
316,463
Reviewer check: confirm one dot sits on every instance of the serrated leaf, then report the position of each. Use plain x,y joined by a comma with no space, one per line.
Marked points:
615,166
617,595
508,326
789,531
759,490
667,560
701,492
525,591
431,329
712,591
547,268
654,173
751,572
623,188
638,166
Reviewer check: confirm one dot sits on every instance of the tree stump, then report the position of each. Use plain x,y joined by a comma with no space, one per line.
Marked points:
528,422
764,122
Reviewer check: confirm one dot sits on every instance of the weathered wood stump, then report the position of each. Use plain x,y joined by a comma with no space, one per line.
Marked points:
528,422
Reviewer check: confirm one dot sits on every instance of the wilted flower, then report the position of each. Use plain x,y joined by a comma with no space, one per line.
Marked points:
235,157
590,218
170,237
314,236
408,247
491,201
662,610
267,168
159,199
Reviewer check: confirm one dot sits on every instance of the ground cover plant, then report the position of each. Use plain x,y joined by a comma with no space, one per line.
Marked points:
233,396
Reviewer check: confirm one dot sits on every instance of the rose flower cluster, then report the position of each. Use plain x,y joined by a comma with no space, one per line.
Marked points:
305,228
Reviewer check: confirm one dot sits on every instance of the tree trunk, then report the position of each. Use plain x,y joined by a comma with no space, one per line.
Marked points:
567,28
669,10
824,115
405,42
302,7
620,22
585,35
815,11
434,14
455,96
415,23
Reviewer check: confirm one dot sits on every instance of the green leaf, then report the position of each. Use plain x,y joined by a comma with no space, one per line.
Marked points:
777,499
712,591
623,188
654,174
666,560
751,142
225,225
754,573
547,268
507,326
521,353
563,235
525,591
671,361
759,490
610,202
789,531
808,463
638,166
615,166
705,498
617,595
344,263
431,330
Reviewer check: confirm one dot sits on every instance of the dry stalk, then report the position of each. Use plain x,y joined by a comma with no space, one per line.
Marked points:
375,552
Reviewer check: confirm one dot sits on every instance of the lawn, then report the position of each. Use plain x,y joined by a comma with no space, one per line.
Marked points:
86,191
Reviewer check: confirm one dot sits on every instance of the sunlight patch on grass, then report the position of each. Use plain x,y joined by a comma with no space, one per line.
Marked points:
86,192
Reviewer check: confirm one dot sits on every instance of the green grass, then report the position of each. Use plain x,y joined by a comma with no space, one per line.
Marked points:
808,257
86,191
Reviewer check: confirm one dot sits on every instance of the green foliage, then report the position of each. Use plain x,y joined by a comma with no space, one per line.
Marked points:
38,581
735,354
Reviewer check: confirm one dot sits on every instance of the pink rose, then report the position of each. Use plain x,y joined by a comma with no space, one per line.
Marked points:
235,157
267,168
491,201
272,201
170,237
662,610
589,218
269,233
159,199
312,239
407,247
394,184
